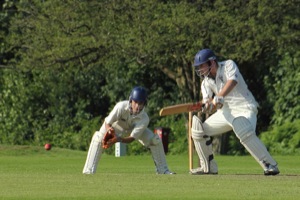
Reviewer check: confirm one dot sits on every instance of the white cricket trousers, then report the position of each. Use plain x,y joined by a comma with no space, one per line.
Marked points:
147,139
244,125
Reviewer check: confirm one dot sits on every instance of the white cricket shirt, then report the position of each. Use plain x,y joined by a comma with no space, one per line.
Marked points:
239,99
120,116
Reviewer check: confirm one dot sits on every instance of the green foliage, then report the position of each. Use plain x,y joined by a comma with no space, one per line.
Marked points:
284,82
36,107
283,139
65,64
178,126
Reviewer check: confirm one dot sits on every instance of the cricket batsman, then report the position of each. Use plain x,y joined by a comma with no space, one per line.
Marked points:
224,90
126,123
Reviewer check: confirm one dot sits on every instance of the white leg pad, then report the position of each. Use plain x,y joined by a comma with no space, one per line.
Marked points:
94,154
159,157
246,133
203,146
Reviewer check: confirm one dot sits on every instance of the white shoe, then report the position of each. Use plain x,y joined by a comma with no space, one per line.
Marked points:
167,172
200,171
271,170
213,169
88,173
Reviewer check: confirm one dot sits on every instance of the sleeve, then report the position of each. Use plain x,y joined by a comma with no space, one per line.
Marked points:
114,115
231,70
206,91
140,127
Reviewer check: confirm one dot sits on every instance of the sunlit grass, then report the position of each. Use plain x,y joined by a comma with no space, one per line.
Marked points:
33,173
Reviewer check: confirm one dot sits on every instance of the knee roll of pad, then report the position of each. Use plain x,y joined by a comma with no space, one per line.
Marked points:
243,128
197,129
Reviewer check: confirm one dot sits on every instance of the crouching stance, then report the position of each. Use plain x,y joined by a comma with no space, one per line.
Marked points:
127,118
226,95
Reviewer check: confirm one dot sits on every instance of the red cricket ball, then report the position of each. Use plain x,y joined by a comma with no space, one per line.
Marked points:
47,146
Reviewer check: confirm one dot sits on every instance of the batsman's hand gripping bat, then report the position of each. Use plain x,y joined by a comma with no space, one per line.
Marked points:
181,108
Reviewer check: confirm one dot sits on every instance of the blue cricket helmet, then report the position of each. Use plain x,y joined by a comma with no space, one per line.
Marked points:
138,94
204,56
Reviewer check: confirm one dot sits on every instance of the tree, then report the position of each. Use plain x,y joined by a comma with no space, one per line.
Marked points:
73,60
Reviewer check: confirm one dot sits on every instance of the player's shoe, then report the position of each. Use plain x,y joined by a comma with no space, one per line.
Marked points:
271,170
200,171
169,172
213,169
166,172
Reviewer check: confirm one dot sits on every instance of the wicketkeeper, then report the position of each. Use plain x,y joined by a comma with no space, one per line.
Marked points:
128,119
225,92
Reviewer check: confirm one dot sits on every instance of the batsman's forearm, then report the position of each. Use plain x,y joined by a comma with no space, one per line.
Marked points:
227,88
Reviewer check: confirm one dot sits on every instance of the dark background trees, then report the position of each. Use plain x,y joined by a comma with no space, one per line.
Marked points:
64,64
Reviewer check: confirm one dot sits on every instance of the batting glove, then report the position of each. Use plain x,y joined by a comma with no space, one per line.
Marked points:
208,107
218,101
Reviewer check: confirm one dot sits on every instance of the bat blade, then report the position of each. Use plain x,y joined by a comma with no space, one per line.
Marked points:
180,108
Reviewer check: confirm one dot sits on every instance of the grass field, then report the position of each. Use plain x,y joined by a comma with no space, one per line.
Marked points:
33,173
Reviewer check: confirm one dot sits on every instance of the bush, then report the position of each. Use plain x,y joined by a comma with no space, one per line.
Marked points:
284,139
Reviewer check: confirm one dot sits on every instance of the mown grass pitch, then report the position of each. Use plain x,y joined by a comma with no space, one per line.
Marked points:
33,173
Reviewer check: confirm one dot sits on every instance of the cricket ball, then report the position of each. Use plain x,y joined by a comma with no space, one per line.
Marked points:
47,146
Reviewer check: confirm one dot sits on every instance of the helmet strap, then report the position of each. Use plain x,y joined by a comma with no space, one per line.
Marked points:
209,68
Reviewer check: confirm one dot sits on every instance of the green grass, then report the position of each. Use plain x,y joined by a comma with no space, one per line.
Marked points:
33,173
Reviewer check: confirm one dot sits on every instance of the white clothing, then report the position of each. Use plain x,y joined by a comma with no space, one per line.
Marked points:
239,101
126,124
239,113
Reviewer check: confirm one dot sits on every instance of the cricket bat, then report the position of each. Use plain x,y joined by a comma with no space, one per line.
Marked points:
184,108
180,108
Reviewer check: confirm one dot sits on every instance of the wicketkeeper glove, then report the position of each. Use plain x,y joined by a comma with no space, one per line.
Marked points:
109,138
